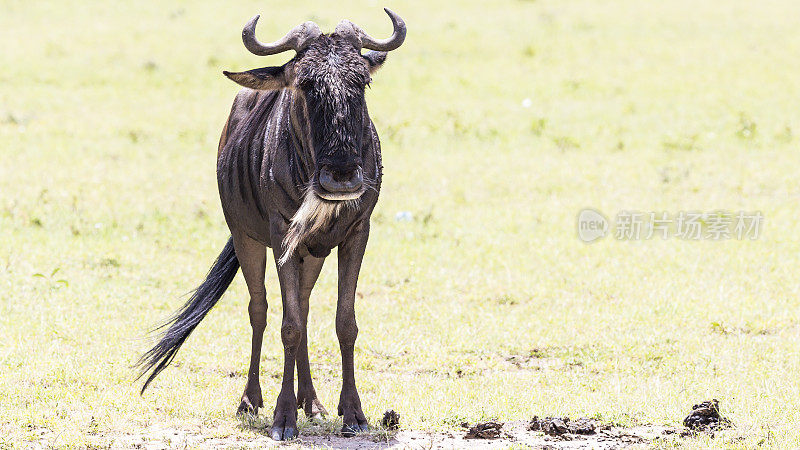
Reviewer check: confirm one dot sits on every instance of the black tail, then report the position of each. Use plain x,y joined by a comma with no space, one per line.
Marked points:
189,316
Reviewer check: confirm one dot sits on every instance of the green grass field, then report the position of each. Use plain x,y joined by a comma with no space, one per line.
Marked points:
485,304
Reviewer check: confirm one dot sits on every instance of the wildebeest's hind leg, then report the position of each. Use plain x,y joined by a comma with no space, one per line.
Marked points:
306,395
252,257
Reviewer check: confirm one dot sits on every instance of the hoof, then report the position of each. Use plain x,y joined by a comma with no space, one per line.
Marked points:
284,422
312,408
246,408
251,401
283,434
317,409
351,430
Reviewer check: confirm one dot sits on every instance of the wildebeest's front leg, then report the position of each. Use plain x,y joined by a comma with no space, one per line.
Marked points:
306,394
351,252
284,424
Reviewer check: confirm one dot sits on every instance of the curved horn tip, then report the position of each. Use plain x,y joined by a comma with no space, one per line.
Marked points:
250,26
394,16
253,21
399,30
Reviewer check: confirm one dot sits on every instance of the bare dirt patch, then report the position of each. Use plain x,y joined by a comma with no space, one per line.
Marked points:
541,433
505,435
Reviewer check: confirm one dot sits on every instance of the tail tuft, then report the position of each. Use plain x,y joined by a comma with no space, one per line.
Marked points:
184,321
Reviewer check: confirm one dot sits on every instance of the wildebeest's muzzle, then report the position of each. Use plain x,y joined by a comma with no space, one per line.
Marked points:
340,182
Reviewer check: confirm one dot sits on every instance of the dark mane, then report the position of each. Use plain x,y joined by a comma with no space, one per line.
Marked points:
333,77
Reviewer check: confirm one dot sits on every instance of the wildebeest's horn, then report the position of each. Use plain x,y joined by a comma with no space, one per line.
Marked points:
296,40
391,43
363,40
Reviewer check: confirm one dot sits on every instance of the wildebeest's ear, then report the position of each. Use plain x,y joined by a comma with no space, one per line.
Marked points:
375,60
265,78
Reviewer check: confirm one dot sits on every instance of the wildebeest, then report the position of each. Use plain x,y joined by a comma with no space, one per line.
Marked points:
299,170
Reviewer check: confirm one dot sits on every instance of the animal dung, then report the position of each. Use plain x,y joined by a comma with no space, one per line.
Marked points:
556,426
706,416
485,430
391,420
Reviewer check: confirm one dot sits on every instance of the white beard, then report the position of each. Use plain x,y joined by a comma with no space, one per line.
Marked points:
314,214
